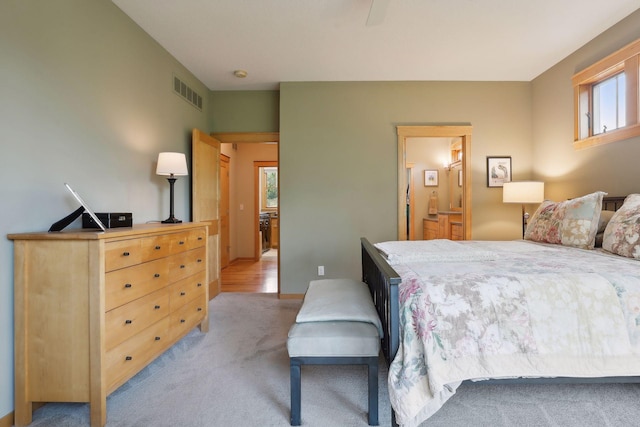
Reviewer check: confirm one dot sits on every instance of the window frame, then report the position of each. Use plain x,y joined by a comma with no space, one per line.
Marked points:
263,188
625,60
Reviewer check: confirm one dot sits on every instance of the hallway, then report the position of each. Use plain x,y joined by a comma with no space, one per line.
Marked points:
247,275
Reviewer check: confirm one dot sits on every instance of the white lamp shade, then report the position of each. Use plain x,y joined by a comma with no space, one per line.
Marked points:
523,192
172,164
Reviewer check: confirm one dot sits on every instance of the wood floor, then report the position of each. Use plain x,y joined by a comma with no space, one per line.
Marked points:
247,275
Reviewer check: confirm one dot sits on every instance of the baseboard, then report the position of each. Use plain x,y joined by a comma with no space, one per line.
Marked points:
7,420
242,259
290,296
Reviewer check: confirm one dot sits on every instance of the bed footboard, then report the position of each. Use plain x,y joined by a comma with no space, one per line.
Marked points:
383,284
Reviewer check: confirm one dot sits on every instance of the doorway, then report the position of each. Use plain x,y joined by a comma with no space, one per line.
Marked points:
266,212
407,132
254,273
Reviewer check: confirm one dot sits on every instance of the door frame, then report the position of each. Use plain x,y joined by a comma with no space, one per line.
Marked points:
257,252
224,216
255,137
463,132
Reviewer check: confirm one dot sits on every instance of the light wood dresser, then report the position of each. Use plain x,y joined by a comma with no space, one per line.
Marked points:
94,308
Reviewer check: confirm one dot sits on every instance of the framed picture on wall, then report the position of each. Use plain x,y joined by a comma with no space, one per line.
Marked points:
498,170
431,177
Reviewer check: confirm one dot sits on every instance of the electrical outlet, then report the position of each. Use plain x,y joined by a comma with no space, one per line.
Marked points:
321,270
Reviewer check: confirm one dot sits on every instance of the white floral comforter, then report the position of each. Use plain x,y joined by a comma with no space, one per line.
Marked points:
534,311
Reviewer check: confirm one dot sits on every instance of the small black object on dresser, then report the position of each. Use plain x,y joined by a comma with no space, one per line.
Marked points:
109,219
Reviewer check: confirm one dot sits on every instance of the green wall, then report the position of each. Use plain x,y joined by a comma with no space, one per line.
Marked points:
86,98
568,172
338,163
245,111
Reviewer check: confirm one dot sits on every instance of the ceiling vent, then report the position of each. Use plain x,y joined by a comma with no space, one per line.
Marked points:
186,93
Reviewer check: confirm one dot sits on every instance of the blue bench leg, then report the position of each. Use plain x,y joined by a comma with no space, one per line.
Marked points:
295,392
373,391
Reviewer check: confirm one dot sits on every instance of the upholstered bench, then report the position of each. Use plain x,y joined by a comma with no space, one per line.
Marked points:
336,325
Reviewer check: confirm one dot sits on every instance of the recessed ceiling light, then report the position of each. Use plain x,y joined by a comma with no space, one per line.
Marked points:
241,74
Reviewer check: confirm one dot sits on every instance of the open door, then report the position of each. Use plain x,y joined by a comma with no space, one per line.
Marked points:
205,197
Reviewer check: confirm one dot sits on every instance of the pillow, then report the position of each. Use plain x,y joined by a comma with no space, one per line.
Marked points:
545,224
570,223
622,235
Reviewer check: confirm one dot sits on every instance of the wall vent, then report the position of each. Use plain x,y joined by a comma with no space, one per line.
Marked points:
186,93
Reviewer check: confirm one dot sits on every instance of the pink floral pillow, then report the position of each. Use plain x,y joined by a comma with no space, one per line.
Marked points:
545,223
570,223
622,235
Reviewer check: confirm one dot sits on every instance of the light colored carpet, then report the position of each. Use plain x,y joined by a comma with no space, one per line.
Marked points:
238,375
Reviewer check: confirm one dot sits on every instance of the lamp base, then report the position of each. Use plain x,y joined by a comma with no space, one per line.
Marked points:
171,220
525,220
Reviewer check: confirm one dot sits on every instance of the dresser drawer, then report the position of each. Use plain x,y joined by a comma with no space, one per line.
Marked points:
196,238
186,317
129,357
186,290
123,253
186,264
127,320
187,240
127,284
156,247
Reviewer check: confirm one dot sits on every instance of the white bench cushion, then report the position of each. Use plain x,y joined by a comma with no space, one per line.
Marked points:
338,300
333,339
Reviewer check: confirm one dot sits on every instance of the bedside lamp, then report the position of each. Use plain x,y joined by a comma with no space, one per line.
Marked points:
171,165
523,192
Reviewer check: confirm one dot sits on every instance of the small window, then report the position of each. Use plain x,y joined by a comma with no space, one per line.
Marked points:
269,188
609,105
607,99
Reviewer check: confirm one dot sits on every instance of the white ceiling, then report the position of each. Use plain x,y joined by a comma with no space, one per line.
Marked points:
329,40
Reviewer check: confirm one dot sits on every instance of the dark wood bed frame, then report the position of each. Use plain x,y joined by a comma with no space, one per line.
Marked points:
383,283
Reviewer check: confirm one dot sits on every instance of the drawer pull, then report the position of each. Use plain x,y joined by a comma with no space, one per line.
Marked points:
199,308
181,265
182,294
156,275
157,307
157,338
181,242
182,320
158,248
128,285
128,321
125,254
199,260
199,237
128,358
199,284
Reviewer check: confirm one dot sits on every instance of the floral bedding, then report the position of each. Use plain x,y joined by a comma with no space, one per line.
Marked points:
536,310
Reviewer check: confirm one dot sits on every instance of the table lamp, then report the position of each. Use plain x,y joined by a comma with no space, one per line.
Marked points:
523,192
171,165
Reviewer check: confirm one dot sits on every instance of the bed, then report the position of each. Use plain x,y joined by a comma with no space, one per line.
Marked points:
549,308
